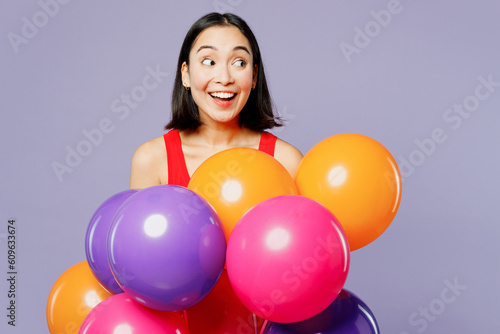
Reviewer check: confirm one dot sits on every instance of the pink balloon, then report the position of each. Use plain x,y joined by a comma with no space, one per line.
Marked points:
287,258
120,314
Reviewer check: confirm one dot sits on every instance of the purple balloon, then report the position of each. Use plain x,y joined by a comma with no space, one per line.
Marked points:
346,315
96,238
166,247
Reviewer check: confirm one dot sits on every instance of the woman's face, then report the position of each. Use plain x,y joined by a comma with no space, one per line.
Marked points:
220,73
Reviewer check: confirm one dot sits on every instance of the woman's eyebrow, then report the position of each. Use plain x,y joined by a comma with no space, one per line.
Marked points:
239,47
206,47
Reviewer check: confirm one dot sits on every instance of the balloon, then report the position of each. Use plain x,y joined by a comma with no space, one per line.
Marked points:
346,315
95,240
357,179
221,312
71,298
288,258
120,314
166,247
236,179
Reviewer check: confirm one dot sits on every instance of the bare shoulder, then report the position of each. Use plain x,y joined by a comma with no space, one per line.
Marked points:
288,155
150,149
149,164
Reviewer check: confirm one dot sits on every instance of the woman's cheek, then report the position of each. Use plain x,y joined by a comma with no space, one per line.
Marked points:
245,82
200,81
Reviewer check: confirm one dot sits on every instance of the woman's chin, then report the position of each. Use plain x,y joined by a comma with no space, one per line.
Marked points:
223,118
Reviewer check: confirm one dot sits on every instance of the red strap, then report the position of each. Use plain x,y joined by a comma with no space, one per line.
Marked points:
177,170
267,143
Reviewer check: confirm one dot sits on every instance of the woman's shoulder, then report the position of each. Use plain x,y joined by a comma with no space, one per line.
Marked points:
288,155
151,149
149,164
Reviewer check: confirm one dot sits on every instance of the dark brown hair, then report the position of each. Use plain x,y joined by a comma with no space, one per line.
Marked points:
257,114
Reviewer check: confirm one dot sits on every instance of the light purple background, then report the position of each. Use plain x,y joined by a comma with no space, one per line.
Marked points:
397,90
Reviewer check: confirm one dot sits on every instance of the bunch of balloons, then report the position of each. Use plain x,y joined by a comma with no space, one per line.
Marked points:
245,247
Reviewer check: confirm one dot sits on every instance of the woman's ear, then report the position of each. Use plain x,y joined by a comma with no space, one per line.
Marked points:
255,72
185,75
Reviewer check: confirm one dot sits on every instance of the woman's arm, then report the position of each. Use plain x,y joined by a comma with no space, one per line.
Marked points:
149,167
288,155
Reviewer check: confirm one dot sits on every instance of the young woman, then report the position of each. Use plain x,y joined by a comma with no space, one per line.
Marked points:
220,100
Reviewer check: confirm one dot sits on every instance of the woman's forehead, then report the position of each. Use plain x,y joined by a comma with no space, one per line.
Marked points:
221,38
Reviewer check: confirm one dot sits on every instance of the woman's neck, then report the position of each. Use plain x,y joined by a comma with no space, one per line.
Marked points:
217,136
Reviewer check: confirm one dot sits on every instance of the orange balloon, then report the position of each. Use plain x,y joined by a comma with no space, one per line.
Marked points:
222,312
357,179
71,298
234,180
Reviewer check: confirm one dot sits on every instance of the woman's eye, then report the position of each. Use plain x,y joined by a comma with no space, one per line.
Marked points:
240,63
208,62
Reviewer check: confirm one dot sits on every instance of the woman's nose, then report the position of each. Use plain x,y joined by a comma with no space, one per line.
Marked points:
223,76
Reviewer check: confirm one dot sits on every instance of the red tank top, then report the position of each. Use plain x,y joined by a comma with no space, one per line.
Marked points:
177,170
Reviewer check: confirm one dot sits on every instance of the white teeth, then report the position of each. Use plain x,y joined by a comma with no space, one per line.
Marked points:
222,95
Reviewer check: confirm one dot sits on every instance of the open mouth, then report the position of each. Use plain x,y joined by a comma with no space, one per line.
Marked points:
222,97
